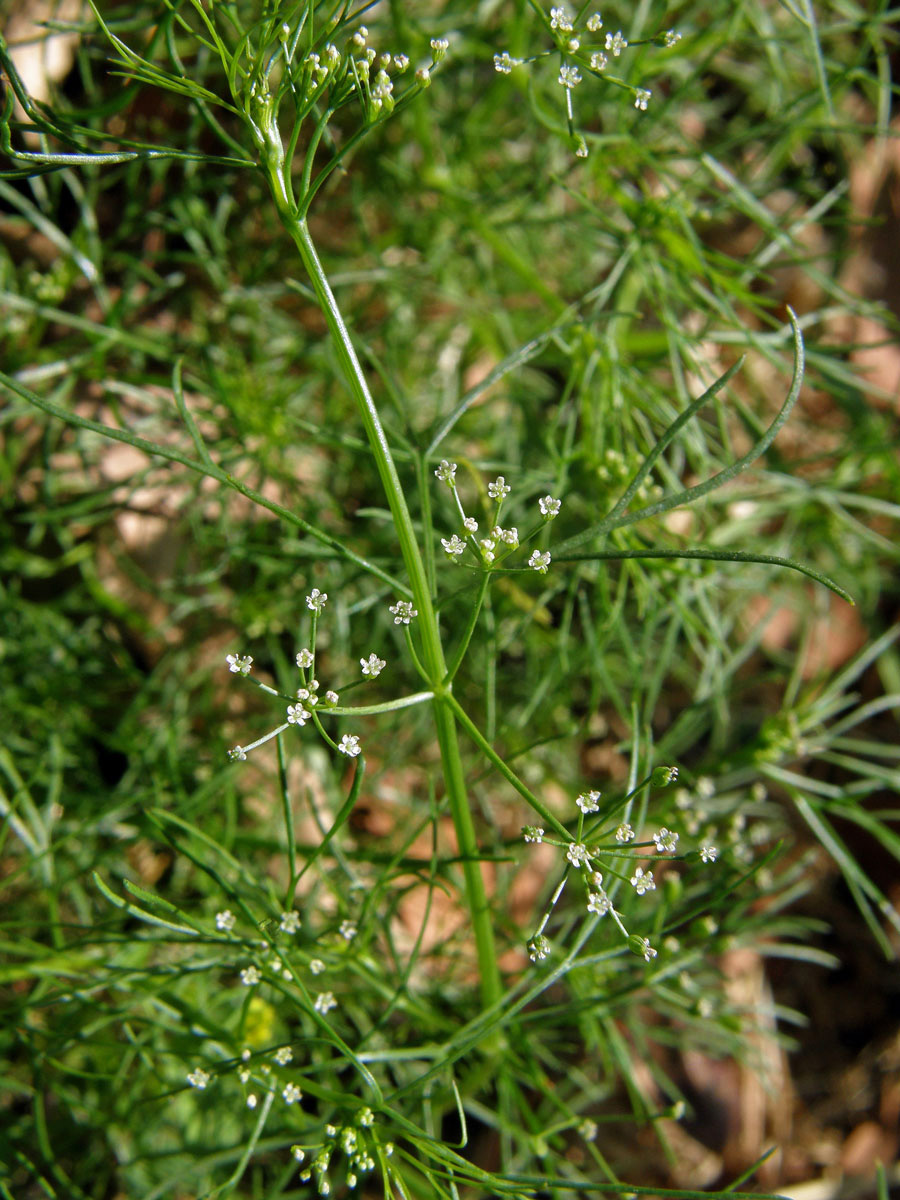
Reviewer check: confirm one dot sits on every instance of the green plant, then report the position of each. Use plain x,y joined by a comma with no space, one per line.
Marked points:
216,977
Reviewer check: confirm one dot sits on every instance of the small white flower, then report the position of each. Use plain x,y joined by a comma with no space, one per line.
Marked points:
297,715
646,949
250,976
538,948
594,23
316,966
599,903
616,43
359,38
308,694
509,536
642,99
539,562
291,1093
665,840
198,1078
401,62
423,77
549,507
348,930
238,665
244,1074
470,525
560,19
298,1153
642,881
587,802
225,920
573,44
706,787
446,472
304,659
252,1100
439,47
587,1129
331,697
598,60
578,854
569,77
487,549
290,921
504,64
315,601
237,754
372,666
332,53
670,37
325,1002
709,853
453,546
403,612
349,745
283,1055
625,833
533,833
499,488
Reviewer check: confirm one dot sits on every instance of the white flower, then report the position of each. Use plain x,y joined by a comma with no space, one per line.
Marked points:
625,833
359,38
304,659
401,62
423,77
616,43
297,715
665,840
291,1093
642,99
198,1078
504,64
509,536
549,507
594,23
599,903
642,881
671,37
403,612
538,948
499,488
454,546
587,1129
316,966
283,1055
348,930
238,665
439,47
705,787
290,921
225,920
533,833
298,1153
308,694
349,745
315,601
709,853
470,524
569,77
487,549
252,1101
446,471
560,19
237,754
598,60
250,976
646,949
373,665
578,854
587,802
325,1001
331,697
539,562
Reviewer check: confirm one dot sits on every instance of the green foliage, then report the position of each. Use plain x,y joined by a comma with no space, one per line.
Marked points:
255,302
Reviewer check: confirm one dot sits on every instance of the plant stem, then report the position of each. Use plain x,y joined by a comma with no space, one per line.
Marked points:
432,649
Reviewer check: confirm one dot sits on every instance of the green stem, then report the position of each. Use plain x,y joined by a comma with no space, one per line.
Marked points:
432,649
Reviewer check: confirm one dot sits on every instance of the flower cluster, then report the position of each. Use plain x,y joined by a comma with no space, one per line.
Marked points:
500,541
612,846
578,49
